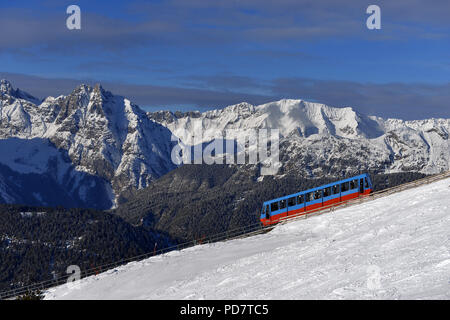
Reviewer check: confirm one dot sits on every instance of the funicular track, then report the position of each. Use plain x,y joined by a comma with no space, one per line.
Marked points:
239,233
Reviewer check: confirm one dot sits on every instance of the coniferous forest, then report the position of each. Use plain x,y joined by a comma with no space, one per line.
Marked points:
38,244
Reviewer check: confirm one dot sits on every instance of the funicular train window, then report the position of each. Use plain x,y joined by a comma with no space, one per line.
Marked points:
327,192
335,189
317,194
366,183
352,185
282,204
308,197
267,209
300,199
344,186
274,206
291,202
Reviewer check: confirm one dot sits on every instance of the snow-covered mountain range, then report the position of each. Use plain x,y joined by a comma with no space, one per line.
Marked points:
102,145
317,139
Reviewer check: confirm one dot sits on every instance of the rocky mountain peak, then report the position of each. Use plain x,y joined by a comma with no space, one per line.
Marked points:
88,90
6,89
88,99
241,107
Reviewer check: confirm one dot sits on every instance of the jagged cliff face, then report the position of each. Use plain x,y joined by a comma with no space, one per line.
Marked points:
93,146
96,133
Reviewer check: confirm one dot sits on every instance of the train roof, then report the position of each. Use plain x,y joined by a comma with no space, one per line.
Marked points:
316,188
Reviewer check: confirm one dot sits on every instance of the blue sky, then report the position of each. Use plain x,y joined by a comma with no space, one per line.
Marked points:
199,54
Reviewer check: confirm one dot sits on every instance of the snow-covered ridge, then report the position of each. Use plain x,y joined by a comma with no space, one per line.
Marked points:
290,115
396,247
286,115
320,132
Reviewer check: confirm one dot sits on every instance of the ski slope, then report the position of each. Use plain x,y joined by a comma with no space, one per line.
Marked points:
396,247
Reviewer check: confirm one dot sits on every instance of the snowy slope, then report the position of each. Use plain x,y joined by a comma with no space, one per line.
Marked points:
314,135
397,247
